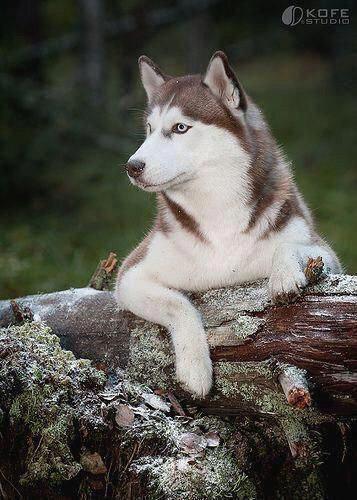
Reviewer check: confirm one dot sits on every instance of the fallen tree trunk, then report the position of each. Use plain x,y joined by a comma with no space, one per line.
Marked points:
252,342
69,430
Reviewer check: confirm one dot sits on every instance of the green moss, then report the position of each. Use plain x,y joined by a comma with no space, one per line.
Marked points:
301,486
223,426
52,459
44,389
255,383
230,376
53,400
25,407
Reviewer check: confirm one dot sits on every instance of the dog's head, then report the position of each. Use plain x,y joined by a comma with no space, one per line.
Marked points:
195,125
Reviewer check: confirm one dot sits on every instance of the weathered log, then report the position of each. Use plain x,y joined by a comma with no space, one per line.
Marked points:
69,431
289,372
252,343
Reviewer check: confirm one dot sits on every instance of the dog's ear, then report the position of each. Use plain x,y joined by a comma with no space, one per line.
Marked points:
151,76
223,83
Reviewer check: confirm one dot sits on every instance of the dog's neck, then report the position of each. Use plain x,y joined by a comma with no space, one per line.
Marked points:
217,198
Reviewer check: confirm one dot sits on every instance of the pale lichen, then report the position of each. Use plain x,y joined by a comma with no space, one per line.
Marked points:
293,372
223,304
154,425
245,326
309,486
151,357
216,476
292,377
255,383
55,400
336,284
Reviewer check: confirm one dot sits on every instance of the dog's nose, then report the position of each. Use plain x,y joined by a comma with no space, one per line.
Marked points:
135,168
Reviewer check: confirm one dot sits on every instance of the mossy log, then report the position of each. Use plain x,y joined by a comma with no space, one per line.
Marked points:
284,392
68,431
306,351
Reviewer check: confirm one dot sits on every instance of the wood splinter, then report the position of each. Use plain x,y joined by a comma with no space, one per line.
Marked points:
102,276
314,270
21,313
294,385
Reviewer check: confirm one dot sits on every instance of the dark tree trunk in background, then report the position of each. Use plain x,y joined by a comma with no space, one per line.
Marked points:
344,66
92,48
200,43
29,24
132,46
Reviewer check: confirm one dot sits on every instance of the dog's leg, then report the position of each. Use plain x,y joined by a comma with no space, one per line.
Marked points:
154,302
287,277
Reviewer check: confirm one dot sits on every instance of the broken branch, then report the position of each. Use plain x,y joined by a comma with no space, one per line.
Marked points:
294,385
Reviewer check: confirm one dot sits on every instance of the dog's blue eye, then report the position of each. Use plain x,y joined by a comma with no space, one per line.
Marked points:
180,128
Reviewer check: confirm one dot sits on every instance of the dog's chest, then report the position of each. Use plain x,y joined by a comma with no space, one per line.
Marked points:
185,262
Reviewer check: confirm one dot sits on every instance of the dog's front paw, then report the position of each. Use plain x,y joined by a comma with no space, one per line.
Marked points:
285,287
194,371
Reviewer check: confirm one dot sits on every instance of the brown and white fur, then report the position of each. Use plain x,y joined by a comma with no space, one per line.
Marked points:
228,208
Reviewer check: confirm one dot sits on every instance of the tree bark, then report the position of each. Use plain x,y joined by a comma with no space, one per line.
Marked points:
92,41
253,344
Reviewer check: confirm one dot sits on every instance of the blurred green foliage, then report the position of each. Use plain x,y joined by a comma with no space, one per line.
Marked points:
65,200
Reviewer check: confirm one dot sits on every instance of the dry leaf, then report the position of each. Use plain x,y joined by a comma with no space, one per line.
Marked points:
212,438
124,416
93,463
192,443
155,402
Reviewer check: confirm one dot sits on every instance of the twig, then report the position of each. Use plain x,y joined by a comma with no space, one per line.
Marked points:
344,428
10,483
136,448
298,449
37,448
176,405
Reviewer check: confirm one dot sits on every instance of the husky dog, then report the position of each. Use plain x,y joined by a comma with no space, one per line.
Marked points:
228,208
